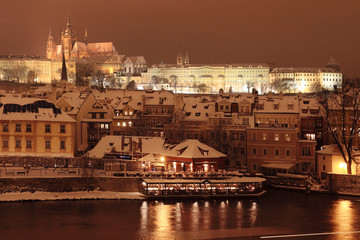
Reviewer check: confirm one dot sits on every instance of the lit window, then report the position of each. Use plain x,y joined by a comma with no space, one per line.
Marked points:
118,123
124,124
287,137
276,137
130,123
264,136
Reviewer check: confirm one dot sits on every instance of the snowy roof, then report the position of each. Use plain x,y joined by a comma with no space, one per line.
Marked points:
79,46
192,148
161,97
309,107
74,99
136,59
302,70
197,108
278,104
27,109
111,143
101,47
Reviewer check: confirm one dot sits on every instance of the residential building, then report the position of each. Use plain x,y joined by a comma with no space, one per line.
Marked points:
34,127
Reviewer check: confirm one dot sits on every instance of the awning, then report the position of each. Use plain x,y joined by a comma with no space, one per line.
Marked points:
278,165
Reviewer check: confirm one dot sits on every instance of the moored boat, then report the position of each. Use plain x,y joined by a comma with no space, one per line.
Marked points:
203,188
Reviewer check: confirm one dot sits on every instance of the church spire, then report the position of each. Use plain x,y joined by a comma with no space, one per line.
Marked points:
187,58
86,36
179,59
63,69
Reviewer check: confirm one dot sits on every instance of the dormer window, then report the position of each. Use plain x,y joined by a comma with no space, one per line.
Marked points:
126,113
197,114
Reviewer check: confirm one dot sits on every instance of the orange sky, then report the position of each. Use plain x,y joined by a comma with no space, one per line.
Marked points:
285,32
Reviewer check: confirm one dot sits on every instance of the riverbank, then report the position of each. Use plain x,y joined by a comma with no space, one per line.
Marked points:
53,196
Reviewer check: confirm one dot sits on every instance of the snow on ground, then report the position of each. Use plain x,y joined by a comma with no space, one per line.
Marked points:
51,196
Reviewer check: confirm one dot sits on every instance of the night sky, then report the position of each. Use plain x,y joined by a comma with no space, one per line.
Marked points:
285,32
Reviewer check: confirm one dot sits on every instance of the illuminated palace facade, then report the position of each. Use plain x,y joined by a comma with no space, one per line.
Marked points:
184,77
306,79
208,78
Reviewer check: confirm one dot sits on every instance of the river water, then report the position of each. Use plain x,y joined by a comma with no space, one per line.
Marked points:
277,215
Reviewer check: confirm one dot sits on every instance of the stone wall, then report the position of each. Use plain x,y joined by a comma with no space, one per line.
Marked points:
344,184
70,184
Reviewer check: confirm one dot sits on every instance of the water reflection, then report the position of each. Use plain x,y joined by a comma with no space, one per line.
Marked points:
343,217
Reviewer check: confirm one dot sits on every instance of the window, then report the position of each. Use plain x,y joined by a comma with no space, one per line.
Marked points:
242,136
242,151
18,143
47,128
288,152
265,151
305,151
104,126
253,136
93,115
235,136
254,167
276,137
245,121
5,143
276,106
28,143
28,128
18,127
254,151
5,127
324,167
264,136
277,152
287,137
47,144
62,128
62,144
102,115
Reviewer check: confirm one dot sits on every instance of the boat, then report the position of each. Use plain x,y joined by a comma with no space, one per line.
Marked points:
233,187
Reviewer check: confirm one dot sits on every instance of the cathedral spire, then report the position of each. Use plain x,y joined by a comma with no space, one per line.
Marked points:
63,69
50,32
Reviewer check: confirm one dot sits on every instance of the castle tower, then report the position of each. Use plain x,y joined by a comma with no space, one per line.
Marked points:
50,46
187,58
333,64
68,39
180,58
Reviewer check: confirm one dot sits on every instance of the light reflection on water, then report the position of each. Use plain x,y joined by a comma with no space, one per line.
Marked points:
292,212
343,218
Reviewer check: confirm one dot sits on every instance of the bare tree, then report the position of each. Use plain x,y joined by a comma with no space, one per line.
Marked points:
340,110
249,85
